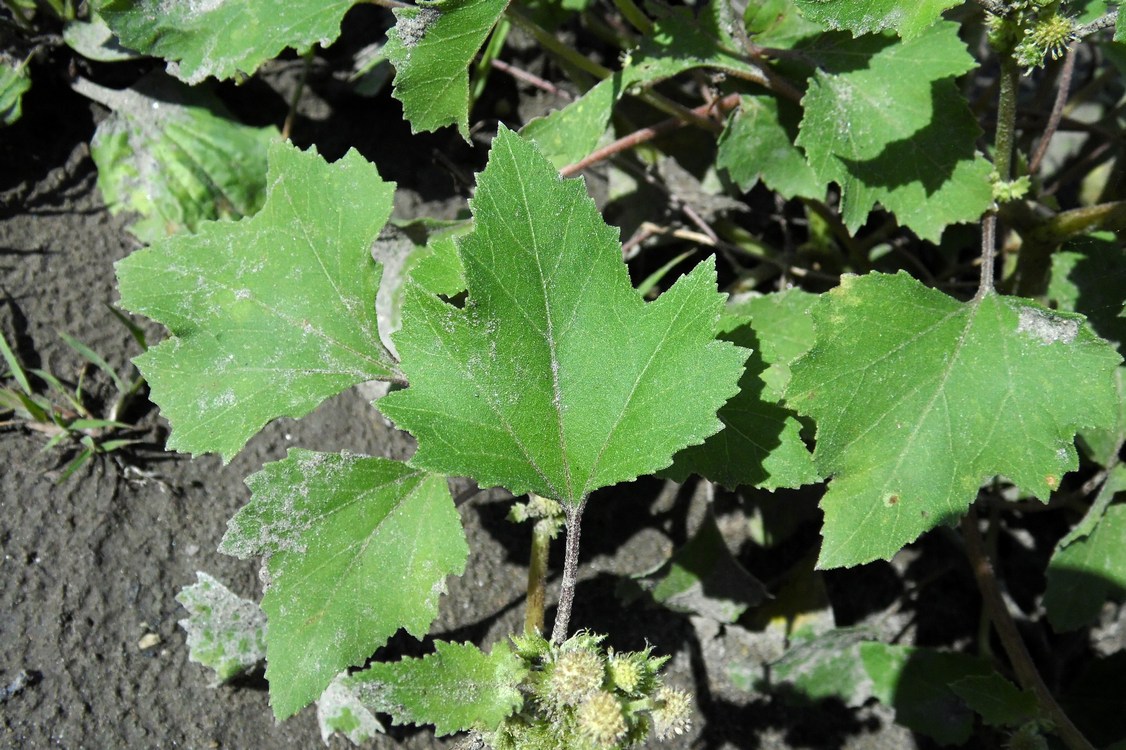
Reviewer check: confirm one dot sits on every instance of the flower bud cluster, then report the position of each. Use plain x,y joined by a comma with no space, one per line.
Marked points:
1034,31
579,696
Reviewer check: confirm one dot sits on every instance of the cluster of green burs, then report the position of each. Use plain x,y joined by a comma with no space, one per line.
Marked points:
1033,31
579,696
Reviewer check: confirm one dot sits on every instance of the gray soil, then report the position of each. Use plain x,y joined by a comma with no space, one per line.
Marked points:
89,641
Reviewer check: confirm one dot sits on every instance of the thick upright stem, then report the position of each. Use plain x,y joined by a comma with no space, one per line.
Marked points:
1026,672
570,573
1002,163
1006,118
542,532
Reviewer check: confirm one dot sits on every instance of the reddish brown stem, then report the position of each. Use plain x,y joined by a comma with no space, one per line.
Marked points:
531,79
1064,86
644,135
1023,666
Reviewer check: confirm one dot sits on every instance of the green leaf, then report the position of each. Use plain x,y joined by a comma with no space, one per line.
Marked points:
221,38
340,711
1115,482
569,134
999,702
1103,445
94,40
15,369
438,268
270,315
828,666
14,83
760,444
867,16
431,47
459,687
434,264
1084,573
355,548
556,377
1089,276
919,398
916,683
174,155
704,578
778,24
683,40
226,633
758,141
784,327
898,132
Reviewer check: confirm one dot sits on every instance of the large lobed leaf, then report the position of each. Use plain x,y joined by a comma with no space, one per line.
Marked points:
431,47
919,398
898,132
556,377
270,315
221,38
457,688
866,16
356,548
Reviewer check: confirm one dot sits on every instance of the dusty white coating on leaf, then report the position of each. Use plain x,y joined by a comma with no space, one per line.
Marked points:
1047,327
339,709
412,28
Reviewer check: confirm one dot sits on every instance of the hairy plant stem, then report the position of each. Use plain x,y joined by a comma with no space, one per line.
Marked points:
1023,666
574,515
542,533
1106,22
531,79
1002,163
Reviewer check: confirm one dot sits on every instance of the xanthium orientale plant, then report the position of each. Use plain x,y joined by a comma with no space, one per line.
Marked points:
522,356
